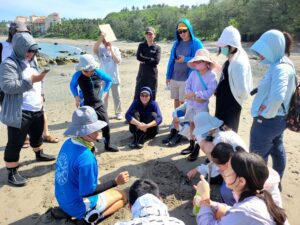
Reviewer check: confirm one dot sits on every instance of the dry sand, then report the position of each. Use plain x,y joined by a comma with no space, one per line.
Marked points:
164,165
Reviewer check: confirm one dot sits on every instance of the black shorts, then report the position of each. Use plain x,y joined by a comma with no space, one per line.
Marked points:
32,124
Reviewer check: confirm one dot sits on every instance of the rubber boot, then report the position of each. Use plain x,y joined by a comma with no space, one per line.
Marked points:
15,178
194,155
189,149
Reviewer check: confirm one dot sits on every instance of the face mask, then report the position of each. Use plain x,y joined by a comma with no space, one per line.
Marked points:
201,66
225,51
264,62
235,196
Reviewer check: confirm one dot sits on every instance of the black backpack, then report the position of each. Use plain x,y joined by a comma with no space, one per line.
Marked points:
1,92
293,114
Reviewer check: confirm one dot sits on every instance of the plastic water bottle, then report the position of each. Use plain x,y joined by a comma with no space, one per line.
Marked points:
196,203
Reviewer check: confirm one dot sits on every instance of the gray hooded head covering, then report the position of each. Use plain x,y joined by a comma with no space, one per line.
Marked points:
22,43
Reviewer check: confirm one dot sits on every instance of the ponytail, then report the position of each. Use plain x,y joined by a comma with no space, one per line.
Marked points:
275,211
288,43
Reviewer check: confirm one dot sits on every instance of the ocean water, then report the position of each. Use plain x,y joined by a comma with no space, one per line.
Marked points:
52,50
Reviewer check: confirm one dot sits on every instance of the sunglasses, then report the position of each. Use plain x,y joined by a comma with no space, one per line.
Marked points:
181,31
33,51
144,95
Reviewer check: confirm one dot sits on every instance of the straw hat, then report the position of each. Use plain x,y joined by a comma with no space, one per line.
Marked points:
201,54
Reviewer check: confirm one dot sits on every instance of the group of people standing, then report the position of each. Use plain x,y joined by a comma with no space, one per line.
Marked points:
192,79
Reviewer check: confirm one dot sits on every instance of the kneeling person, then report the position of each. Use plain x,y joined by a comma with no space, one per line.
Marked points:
76,176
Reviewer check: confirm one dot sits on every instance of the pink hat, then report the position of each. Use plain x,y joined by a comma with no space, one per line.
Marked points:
201,54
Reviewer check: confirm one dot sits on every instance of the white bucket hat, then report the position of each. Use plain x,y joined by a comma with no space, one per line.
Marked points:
230,36
84,122
87,62
204,123
201,54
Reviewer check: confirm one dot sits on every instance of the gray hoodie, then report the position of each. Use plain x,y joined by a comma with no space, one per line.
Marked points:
12,82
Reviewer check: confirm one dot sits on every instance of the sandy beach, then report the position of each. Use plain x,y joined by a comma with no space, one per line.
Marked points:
26,205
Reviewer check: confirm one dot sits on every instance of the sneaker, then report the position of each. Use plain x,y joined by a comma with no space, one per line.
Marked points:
175,140
40,156
15,179
119,117
111,148
172,133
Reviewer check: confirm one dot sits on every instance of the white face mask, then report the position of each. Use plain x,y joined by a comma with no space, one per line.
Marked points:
235,196
201,66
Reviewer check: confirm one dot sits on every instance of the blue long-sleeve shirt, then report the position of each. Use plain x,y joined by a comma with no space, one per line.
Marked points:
195,45
145,111
90,86
278,84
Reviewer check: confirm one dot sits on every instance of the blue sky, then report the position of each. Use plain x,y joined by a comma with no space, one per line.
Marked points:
77,8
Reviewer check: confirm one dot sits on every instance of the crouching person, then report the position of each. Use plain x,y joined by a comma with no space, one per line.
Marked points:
76,178
146,206
143,117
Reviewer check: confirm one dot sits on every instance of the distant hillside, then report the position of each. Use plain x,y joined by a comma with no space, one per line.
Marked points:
251,17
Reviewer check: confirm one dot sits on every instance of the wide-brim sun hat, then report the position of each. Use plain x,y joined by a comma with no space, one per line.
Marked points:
84,122
87,62
204,123
201,54
230,36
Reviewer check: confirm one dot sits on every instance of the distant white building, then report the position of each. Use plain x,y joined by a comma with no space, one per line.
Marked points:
39,23
53,18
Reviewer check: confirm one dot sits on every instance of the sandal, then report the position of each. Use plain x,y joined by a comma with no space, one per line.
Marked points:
50,139
26,143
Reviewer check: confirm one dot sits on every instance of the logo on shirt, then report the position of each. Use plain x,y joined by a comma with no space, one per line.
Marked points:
62,169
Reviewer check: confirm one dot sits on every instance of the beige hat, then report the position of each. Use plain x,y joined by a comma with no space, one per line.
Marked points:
201,54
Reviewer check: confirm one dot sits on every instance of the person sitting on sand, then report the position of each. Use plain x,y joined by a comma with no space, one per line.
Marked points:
76,177
143,117
210,131
246,175
178,128
89,78
146,206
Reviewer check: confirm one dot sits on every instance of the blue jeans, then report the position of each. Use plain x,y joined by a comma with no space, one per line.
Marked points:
266,139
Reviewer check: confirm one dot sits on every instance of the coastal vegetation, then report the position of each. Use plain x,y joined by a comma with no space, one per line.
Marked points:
251,17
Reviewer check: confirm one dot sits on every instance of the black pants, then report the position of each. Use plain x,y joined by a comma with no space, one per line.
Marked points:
228,110
32,124
151,132
102,115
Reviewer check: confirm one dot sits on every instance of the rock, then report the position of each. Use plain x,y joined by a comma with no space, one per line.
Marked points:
55,43
128,52
63,60
83,52
63,51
